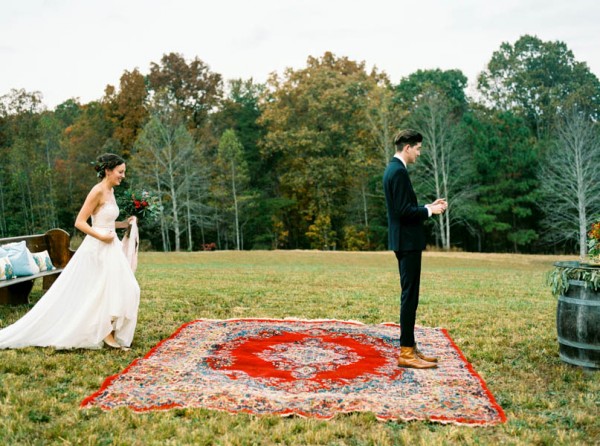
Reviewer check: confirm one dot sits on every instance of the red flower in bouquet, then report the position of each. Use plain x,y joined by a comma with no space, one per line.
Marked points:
140,204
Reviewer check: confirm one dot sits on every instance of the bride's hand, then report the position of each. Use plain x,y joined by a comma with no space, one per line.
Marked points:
107,238
131,219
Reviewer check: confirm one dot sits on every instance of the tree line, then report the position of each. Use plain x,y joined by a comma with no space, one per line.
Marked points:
297,162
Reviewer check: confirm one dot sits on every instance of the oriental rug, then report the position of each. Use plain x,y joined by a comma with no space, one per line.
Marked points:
309,368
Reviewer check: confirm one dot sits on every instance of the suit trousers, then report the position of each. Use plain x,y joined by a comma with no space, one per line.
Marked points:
409,266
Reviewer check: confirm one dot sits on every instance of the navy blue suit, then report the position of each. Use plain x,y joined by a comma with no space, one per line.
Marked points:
406,237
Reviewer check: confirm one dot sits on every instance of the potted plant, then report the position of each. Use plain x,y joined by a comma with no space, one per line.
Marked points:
594,244
578,313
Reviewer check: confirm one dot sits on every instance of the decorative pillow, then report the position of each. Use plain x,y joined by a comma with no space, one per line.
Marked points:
21,259
6,269
43,261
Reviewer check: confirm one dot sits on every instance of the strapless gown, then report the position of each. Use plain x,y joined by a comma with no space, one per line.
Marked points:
95,294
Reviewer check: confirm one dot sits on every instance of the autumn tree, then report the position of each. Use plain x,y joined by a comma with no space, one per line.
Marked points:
89,135
191,87
315,121
366,227
127,109
384,115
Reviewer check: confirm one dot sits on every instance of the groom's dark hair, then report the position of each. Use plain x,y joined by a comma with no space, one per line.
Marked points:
407,136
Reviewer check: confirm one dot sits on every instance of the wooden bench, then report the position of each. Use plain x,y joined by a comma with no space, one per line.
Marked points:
56,242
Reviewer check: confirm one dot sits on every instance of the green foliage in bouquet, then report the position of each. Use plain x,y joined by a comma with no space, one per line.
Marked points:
142,205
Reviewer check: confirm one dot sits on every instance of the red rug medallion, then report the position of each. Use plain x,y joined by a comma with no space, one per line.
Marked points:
307,368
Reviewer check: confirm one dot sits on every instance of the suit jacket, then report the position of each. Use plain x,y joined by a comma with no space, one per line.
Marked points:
405,216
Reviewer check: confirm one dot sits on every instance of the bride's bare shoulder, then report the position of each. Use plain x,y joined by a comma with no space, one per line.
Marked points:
95,195
95,191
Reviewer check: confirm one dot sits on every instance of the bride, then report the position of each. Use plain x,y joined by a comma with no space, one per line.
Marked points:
95,299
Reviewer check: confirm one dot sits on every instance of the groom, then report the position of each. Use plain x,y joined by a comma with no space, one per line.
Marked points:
406,238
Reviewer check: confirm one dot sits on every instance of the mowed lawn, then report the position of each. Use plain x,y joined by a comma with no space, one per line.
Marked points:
497,308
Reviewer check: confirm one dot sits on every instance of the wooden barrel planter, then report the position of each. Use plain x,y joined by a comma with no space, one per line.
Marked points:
578,324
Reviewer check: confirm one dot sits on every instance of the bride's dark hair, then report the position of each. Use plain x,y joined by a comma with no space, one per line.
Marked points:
107,161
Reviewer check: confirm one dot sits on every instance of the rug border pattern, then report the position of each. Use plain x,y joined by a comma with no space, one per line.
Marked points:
89,401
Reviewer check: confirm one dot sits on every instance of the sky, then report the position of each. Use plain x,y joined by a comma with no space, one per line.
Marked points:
73,49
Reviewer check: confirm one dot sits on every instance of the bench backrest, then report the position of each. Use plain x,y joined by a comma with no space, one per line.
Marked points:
55,241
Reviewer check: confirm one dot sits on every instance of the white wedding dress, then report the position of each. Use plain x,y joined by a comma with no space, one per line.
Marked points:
95,294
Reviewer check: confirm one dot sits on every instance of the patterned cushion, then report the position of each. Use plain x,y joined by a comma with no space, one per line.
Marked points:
43,261
6,269
20,257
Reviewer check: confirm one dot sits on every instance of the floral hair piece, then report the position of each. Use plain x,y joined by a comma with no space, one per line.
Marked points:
99,167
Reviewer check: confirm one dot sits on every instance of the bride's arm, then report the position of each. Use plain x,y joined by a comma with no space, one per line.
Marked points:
91,203
125,223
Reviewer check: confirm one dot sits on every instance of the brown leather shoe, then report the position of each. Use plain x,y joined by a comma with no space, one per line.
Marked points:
420,354
408,358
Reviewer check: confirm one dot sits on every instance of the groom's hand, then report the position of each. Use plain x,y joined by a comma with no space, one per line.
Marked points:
439,206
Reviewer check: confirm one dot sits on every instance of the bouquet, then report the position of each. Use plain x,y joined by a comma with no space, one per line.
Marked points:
594,242
142,205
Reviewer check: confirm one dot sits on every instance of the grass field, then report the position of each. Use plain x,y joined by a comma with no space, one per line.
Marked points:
497,308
